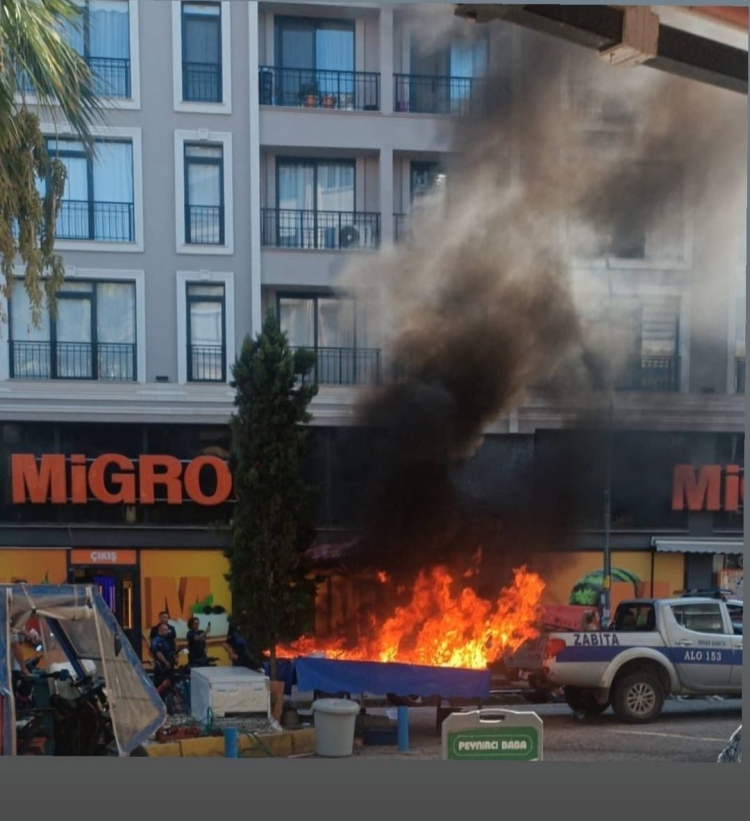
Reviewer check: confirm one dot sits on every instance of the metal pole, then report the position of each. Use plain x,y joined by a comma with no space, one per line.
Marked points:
605,603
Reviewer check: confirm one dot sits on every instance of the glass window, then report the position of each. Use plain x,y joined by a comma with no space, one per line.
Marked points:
323,45
101,35
205,332
92,335
635,617
700,618
97,203
204,194
201,53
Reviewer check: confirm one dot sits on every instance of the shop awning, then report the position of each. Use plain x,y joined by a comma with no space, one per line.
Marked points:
698,545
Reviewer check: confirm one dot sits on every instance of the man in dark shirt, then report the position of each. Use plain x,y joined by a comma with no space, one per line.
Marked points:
163,652
172,633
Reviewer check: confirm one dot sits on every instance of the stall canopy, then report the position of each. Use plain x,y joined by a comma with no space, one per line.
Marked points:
80,633
727,546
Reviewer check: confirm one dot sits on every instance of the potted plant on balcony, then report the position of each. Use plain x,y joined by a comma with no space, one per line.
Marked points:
329,101
309,94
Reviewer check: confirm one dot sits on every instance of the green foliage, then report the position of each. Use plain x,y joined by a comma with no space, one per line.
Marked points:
32,50
272,521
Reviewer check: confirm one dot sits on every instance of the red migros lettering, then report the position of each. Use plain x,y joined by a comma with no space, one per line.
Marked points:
115,479
708,487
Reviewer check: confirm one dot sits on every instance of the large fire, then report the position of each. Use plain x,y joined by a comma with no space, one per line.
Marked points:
440,629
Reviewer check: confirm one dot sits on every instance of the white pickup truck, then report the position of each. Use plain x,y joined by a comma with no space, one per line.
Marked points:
654,648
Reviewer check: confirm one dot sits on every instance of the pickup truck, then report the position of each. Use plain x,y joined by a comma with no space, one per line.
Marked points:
653,648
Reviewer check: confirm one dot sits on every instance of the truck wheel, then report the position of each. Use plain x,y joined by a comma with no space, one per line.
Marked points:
638,698
584,701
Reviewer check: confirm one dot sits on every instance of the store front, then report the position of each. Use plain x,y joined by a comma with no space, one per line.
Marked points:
138,511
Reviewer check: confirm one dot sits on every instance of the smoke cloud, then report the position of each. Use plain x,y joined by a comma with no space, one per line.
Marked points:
489,302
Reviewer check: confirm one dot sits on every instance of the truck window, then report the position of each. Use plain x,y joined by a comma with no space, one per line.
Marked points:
635,617
701,618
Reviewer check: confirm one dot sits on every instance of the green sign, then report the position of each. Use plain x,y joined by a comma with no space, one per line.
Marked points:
496,744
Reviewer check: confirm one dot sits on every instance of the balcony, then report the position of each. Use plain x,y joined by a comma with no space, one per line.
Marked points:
318,88
454,96
739,374
204,224
201,82
651,374
346,366
102,221
320,230
206,363
111,77
73,360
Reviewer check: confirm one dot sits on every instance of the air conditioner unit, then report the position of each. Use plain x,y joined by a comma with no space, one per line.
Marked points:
227,691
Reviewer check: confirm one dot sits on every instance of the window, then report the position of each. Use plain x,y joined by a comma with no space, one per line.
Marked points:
315,207
444,80
206,332
328,325
101,34
202,53
700,618
644,332
315,66
426,177
92,336
98,200
635,617
739,345
204,194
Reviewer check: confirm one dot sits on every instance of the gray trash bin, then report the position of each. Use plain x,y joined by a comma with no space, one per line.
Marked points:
334,726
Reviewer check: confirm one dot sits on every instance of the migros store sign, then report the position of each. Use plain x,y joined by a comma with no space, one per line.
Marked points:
113,479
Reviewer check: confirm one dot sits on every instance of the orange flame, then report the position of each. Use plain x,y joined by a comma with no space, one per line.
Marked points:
382,577
436,628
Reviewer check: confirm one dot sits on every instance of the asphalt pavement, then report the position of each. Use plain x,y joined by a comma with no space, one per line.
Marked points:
691,731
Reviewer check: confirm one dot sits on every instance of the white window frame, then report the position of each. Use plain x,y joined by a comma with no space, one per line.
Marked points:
225,107
137,277
132,103
224,138
65,131
204,278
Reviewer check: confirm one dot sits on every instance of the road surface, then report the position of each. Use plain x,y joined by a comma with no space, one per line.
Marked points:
693,730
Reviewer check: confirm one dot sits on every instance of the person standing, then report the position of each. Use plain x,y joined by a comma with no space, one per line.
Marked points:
196,642
171,632
236,648
162,650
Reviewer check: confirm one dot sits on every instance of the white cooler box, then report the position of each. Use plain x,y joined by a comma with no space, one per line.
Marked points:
227,690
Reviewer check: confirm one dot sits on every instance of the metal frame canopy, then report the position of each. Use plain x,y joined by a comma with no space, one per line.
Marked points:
630,35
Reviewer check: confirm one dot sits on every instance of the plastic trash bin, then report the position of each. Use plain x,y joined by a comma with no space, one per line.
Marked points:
334,726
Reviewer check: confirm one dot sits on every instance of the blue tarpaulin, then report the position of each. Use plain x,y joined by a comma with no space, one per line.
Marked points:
354,677
285,671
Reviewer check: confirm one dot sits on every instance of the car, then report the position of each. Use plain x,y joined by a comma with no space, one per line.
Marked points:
653,648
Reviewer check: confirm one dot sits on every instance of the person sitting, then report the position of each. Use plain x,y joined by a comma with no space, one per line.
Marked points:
196,642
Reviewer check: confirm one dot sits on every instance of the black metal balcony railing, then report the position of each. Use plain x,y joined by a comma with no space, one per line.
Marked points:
320,88
206,363
739,374
73,360
655,374
201,82
103,221
324,230
346,366
204,224
421,94
111,77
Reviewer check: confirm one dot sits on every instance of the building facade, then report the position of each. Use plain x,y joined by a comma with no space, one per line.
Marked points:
249,150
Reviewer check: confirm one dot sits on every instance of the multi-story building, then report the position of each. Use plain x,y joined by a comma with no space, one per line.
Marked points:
249,150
